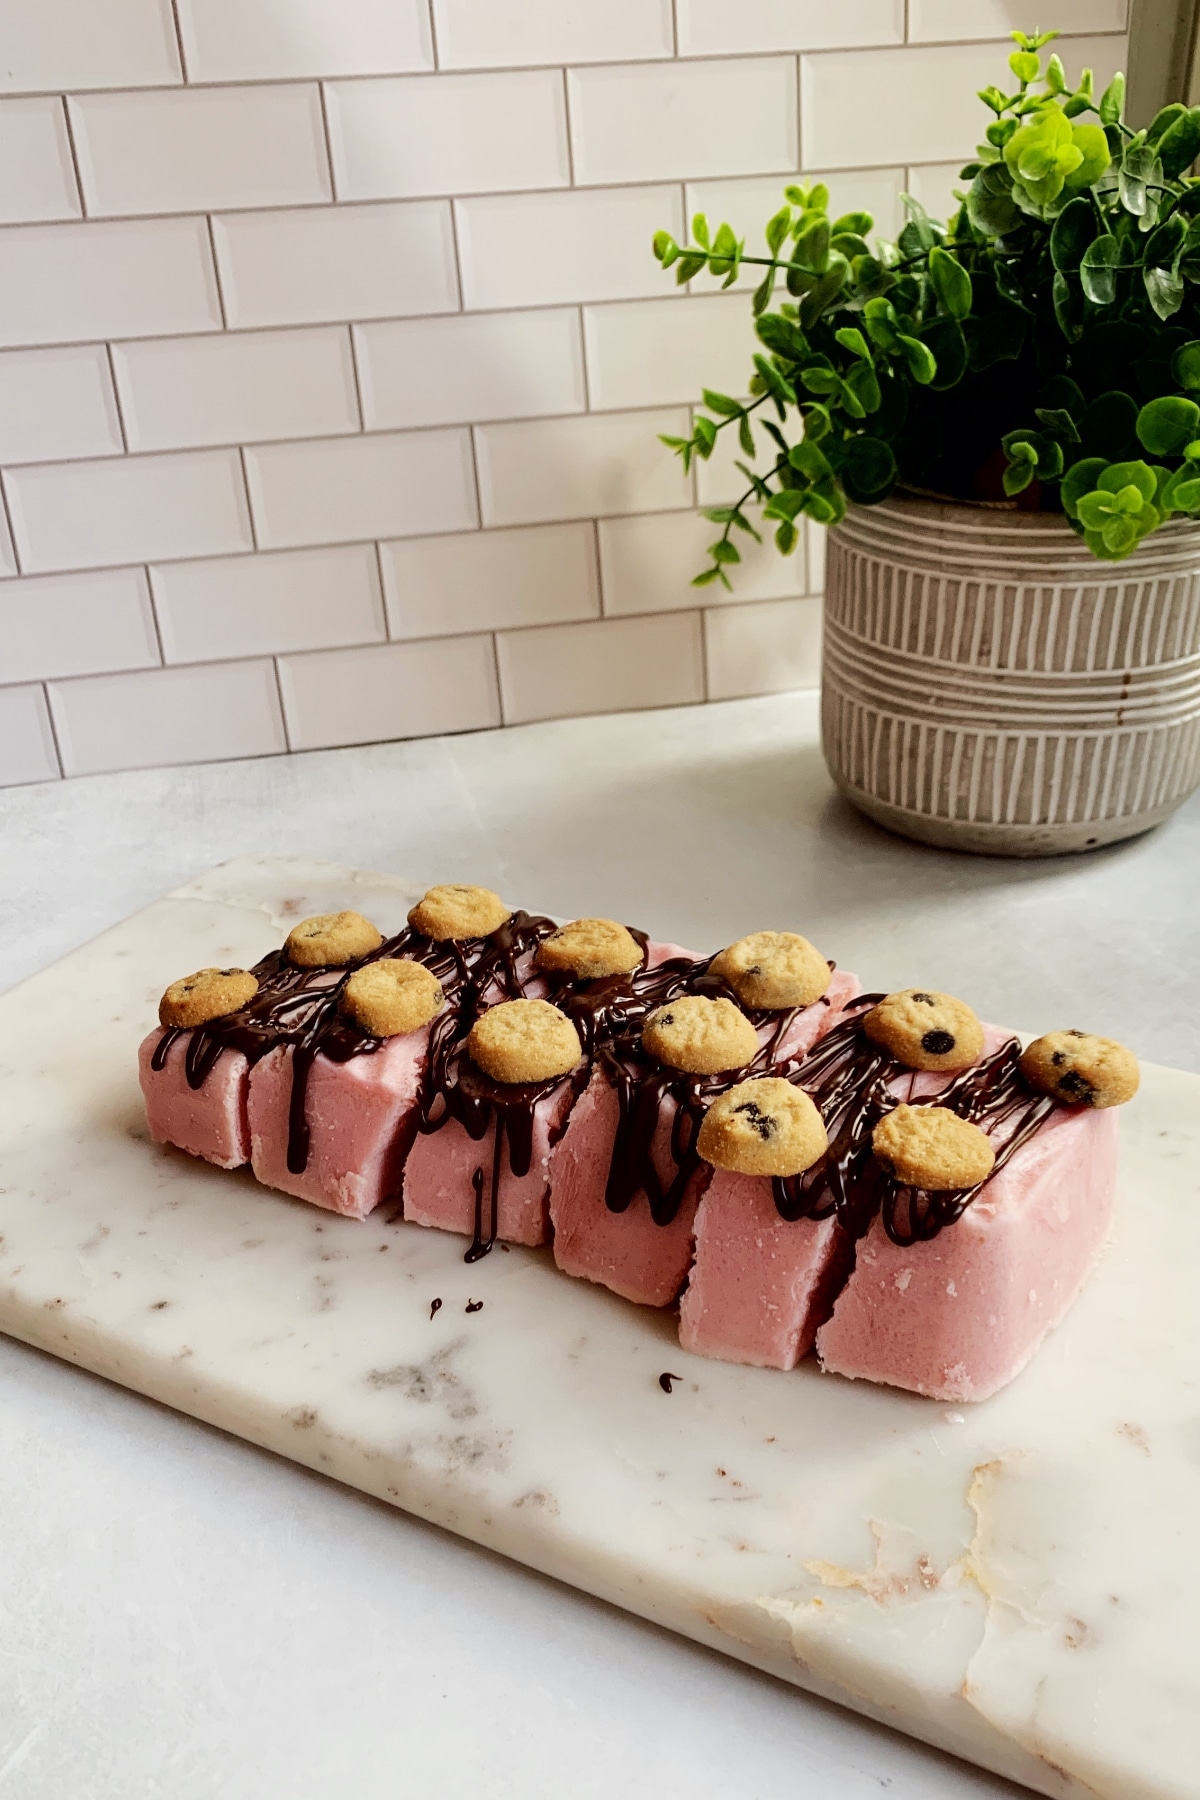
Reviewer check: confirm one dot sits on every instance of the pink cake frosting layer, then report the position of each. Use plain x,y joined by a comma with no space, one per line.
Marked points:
438,1177
360,1116
958,1317
627,1251
208,1121
759,1285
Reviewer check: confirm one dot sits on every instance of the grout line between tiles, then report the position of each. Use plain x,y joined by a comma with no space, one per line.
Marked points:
431,12
162,651
241,453
704,680
323,103
72,147
179,40
388,635
8,520
501,704
569,127
216,269
601,594
455,245
112,375
49,705
357,375
675,28
476,484
283,715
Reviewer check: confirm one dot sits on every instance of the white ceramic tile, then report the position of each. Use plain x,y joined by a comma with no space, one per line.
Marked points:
952,20
396,691
56,44
337,262
57,625
578,468
613,665
816,558
389,485
655,352
860,107
486,580
37,177
56,403
236,388
64,283
933,184
649,122
27,750
720,27
249,40
256,605
543,249
748,204
129,509
203,714
766,648
470,366
491,34
448,134
210,147
647,564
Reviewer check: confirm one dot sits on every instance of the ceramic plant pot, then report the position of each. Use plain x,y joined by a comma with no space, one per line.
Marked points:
989,686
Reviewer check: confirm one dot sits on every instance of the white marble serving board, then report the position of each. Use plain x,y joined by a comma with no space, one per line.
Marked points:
1016,1582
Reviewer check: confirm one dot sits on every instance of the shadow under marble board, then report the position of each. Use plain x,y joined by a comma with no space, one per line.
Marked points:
1015,1582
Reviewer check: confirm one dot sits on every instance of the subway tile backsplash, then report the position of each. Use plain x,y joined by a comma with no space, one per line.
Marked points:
333,355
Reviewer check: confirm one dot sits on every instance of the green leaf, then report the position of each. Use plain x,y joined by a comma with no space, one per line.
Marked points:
1092,145
1112,101
1166,426
743,524
862,384
781,337
1179,145
1058,421
706,575
763,292
990,205
922,364
1185,365
857,222
1079,479
1163,120
700,230
1108,427
951,282
725,552
945,339
786,538
788,503
923,229
850,338
1097,269
1017,476
1066,310
1025,66
868,469
1074,229
879,316
991,96
690,265
812,247
1140,169
665,248
808,459
1182,492
720,403
746,436
778,228
1056,76
1164,289
1134,474
704,436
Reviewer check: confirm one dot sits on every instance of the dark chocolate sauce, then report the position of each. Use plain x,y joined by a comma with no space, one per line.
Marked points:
666,1379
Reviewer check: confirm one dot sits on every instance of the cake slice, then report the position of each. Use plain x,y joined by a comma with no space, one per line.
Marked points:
641,1249
959,1316
209,1120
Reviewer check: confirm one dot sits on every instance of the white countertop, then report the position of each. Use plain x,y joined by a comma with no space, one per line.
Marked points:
186,1616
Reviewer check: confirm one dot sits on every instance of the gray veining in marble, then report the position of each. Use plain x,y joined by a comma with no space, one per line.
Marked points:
1013,1582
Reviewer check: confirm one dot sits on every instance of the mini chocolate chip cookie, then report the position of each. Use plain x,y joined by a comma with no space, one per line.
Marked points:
524,1040
925,1030
331,940
930,1147
590,949
457,910
763,1127
391,997
702,1037
206,995
773,970
1081,1069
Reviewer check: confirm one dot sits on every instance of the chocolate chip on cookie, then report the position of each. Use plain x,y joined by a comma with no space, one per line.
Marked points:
206,995
457,910
1081,1069
925,1030
391,997
773,969
931,1147
702,1037
331,940
524,1040
589,949
763,1127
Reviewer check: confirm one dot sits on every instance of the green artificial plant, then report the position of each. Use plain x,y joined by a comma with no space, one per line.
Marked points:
1044,344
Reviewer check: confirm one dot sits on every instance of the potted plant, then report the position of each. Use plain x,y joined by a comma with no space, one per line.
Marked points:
998,419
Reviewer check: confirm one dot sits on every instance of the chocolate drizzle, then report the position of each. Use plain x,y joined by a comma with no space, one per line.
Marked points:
851,1079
